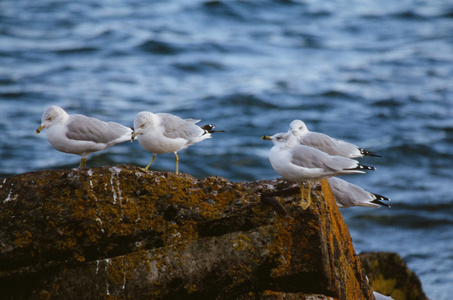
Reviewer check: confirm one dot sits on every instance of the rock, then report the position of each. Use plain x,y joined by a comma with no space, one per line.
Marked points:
119,232
389,275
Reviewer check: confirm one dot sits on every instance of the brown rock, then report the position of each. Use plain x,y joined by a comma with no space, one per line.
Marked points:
120,232
389,275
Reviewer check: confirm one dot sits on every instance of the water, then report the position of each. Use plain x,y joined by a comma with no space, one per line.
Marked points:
375,73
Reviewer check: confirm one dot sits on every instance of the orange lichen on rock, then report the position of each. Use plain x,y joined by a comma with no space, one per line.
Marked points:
118,232
280,248
388,274
23,239
345,264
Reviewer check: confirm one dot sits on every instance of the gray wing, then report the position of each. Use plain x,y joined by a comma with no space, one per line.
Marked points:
340,192
84,128
347,194
175,127
308,157
329,145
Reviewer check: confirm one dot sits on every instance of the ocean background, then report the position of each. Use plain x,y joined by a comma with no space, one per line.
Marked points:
375,73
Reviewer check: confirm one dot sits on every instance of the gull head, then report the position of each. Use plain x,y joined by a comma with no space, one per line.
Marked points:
280,139
298,128
53,115
143,120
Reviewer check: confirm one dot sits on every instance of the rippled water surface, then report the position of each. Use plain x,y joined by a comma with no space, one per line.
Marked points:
375,73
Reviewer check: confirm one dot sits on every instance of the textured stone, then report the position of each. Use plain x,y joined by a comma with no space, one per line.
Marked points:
117,232
389,275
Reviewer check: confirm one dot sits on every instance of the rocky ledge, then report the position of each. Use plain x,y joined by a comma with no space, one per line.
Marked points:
117,232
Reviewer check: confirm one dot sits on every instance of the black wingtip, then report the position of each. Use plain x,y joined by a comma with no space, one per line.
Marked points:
209,128
380,197
375,201
368,153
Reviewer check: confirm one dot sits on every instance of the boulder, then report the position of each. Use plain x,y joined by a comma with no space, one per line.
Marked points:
118,232
389,275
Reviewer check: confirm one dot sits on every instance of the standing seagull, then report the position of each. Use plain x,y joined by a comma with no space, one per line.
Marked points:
82,135
325,143
164,133
297,163
347,194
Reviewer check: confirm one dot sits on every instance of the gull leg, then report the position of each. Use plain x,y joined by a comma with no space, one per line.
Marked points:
83,163
147,167
177,162
305,204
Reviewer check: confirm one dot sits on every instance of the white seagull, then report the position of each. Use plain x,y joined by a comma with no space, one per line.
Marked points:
325,143
163,133
79,134
298,163
347,195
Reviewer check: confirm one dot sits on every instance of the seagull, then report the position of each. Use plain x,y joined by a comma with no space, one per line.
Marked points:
347,194
325,143
163,133
79,134
379,296
298,163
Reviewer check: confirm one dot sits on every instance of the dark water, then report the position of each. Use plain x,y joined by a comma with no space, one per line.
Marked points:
375,73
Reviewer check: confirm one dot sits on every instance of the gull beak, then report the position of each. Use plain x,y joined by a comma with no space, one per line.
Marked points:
293,132
134,134
40,128
266,137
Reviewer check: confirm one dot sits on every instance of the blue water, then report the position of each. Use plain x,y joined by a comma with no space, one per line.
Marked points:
375,73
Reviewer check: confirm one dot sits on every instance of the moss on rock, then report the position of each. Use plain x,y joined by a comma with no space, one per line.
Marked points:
117,232
389,275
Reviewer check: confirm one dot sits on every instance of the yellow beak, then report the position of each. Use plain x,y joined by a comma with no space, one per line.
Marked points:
40,128
134,134
266,137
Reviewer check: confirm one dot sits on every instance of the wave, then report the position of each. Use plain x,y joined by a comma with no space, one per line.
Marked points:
406,220
160,47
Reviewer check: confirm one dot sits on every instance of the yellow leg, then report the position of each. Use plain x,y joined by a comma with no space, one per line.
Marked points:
177,163
305,203
83,163
147,167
